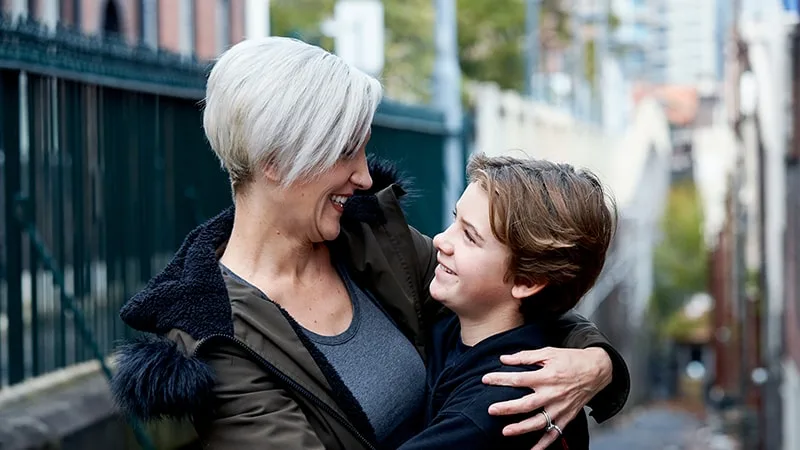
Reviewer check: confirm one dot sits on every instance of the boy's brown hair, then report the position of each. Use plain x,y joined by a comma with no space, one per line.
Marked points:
556,221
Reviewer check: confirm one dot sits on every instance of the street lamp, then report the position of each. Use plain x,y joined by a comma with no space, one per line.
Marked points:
447,97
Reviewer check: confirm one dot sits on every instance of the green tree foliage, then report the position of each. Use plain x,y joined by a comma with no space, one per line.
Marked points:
490,37
409,39
301,19
681,258
590,61
410,50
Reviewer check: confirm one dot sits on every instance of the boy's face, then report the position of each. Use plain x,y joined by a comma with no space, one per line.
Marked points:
470,277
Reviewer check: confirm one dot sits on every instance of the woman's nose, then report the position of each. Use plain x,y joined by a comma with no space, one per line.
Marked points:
361,176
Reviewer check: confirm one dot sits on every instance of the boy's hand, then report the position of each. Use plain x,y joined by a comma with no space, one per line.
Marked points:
566,382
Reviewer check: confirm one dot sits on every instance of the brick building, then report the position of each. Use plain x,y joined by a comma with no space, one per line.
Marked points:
190,27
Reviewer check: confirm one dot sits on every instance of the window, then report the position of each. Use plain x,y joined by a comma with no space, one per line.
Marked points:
112,25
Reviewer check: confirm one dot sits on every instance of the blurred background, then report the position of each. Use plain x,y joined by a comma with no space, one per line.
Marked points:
685,108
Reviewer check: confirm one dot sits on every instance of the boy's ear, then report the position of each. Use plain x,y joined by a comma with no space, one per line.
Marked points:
524,289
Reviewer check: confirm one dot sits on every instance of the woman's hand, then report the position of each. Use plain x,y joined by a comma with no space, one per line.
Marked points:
566,382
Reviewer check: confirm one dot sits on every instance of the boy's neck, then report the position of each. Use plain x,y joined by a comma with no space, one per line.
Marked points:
477,327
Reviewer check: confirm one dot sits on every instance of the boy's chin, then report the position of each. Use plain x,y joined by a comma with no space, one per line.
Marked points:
439,296
447,302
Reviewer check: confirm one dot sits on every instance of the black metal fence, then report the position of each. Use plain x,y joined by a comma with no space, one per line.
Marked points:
105,168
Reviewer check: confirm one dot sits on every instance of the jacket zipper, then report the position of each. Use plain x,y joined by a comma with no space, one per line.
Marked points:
293,384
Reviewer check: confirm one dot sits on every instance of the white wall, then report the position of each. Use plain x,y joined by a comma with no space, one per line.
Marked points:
714,152
505,121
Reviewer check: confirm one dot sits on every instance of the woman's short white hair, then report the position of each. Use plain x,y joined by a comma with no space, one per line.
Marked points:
283,102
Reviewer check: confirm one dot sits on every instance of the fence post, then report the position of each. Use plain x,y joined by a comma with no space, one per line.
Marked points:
9,143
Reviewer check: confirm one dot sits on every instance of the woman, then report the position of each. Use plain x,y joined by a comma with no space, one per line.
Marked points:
297,318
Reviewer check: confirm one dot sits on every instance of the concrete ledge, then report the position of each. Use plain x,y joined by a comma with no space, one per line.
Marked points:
72,409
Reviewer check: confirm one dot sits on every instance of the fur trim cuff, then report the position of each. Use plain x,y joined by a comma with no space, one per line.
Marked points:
156,380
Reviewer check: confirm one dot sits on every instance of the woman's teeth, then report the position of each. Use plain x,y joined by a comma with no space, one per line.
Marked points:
339,200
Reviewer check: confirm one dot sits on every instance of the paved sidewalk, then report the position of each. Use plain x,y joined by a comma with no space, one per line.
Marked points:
660,427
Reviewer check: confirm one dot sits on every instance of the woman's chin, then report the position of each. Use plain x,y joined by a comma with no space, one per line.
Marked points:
330,233
325,232
329,227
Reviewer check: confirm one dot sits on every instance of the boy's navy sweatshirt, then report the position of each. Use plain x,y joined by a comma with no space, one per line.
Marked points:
457,407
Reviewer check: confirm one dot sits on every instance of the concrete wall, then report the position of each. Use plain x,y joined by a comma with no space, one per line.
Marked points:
505,122
72,409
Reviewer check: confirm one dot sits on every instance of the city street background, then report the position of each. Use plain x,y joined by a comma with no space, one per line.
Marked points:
685,108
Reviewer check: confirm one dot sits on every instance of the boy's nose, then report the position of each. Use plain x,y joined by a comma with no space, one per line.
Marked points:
441,243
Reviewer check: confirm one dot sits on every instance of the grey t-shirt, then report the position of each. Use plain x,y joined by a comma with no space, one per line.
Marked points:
379,365
376,362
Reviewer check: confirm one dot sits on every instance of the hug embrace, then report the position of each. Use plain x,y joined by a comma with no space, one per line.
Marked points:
310,315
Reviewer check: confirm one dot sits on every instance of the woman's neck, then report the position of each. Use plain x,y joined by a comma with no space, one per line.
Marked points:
263,245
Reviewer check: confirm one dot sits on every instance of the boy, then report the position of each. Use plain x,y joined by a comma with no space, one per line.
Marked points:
528,241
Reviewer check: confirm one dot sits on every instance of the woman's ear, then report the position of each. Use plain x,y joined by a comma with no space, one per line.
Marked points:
270,172
523,289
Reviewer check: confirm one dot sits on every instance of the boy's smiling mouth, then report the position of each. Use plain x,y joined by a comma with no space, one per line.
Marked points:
446,269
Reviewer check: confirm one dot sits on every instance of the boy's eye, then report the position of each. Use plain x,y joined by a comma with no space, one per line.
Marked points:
469,237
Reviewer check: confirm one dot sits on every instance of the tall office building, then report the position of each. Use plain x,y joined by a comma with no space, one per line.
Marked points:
639,39
696,33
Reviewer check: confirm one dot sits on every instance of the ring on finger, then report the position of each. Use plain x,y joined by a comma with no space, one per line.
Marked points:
554,427
549,425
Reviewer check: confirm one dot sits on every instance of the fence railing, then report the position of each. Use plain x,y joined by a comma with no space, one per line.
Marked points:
102,153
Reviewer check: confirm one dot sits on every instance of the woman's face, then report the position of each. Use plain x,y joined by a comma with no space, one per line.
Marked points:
326,195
